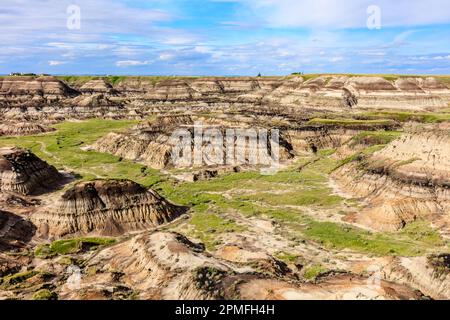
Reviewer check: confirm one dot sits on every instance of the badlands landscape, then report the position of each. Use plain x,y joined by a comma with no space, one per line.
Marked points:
92,206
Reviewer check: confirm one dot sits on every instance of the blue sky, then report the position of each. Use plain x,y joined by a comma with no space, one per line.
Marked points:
225,37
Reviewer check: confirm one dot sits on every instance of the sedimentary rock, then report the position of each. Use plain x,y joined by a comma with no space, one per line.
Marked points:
151,143
132,97
407,180
107,207
22,129
167,265
14,230
23,172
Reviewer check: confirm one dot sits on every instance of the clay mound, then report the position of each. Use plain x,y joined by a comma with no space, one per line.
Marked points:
148,142
106,207
408,84
97,86
22,129
163,266
407,180
49,87
337,82
172,90
316,83
208,86
165,123
151,142
343,287
433,84
370,83
14,231
24,173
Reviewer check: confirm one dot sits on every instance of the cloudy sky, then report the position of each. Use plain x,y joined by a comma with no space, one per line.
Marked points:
224,37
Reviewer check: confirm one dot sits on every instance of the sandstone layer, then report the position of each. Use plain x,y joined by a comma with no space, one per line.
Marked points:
45,97
106,207
23,172
407,180
167,265
14,231
153,143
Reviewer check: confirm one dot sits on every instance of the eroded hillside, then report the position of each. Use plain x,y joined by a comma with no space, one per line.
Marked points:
92,205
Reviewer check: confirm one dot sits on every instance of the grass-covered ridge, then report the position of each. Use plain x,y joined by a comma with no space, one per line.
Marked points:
405,116
352,122
70,246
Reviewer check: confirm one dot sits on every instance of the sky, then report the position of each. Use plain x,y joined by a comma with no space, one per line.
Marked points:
224,37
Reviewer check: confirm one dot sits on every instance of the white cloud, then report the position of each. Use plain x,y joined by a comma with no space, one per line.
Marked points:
442,57
131,63
54,63
336,59
347,14
166,56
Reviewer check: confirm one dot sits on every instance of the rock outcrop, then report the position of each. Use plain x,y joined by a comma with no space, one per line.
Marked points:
14,231
152,143
134,97
106,207
23,172
407,180
22,129
168,266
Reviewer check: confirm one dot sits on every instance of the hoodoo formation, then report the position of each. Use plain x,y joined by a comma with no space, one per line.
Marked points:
105,207
23,172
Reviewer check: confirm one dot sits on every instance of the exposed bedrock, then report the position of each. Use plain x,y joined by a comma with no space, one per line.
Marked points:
407,180
23,172
430,275
151,143
165,265
106,207
22,129
14,231
133,97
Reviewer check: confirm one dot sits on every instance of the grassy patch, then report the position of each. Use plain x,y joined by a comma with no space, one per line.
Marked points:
371,138
70,246
45,294
415,240
208,225
312,272
352,122
17,278
63,150
404,116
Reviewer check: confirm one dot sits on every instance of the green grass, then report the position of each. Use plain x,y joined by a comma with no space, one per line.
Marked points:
70,246
312,272
44,294
208,225
288,257
375,137
274,196
310,190
62,149
115,80
17,278
352,122
404,116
